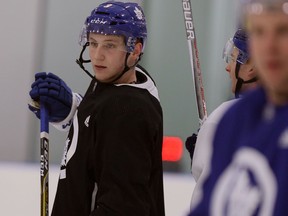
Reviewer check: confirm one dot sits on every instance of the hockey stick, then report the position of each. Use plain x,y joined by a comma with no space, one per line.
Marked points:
44,159
194,60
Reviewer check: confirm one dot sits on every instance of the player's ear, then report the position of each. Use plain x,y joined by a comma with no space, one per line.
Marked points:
252,72
250,68
137,50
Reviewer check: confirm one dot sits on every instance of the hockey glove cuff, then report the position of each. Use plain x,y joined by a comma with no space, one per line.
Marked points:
67,122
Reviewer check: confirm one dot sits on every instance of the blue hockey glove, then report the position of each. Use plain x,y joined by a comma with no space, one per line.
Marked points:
54,92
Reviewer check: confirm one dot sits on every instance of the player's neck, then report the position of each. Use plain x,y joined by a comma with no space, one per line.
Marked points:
278,98
128,77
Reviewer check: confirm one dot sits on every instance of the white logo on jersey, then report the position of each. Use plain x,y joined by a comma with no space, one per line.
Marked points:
87,121
284,139
70,148
67,142
247,185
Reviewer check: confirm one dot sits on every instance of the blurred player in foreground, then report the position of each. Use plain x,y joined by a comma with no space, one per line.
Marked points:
248,171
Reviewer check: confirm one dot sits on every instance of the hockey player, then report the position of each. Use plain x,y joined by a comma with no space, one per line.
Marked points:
112,163
243,78
248,170
241,72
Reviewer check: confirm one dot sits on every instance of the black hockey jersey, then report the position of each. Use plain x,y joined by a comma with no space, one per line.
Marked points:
112,163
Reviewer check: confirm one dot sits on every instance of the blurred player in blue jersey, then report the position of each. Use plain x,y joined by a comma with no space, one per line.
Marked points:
243,78
248,171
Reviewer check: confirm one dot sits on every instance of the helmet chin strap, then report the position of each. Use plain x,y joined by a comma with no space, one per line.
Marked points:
81,61
240,81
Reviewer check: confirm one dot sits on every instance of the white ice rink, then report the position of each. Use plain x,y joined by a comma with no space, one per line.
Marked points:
20,190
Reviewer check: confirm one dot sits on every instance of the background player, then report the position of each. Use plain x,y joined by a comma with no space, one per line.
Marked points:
243,78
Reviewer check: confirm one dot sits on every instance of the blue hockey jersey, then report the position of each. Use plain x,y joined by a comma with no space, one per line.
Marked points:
248,174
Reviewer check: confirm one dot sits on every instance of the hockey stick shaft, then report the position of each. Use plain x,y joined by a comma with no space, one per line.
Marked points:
194,60
44,159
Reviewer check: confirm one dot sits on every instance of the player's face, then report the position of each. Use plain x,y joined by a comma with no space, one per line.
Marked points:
245,72
268,34
231,68
107,54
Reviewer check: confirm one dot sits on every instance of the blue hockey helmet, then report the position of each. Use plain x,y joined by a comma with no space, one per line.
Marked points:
240,41
117,18
258,7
